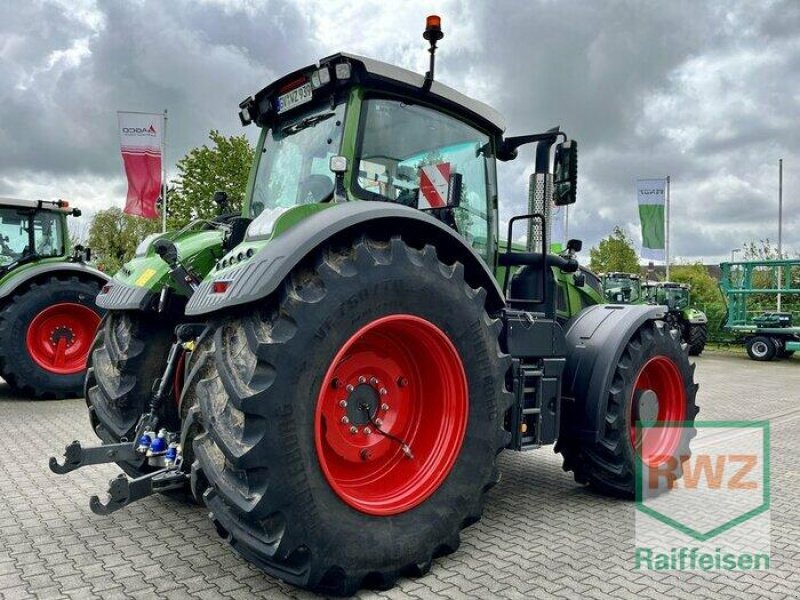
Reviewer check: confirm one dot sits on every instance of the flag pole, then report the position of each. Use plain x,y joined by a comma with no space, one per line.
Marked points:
666,240
780,230
164,175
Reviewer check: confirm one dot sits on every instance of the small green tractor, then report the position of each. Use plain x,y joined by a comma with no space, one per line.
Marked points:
751,290
690,321
628,288
333,372
48,315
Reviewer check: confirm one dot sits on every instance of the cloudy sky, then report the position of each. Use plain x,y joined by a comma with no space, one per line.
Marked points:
706,92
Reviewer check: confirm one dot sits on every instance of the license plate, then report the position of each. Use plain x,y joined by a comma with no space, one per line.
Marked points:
296,97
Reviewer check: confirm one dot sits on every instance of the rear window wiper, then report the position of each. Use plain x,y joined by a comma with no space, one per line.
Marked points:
306,123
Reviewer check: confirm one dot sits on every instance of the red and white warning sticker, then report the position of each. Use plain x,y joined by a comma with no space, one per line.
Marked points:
434,184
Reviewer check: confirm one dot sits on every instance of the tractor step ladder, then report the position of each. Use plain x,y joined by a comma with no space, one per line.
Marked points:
527,411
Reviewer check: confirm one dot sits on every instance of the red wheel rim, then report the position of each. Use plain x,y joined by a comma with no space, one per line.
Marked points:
662,434
404,372
59,337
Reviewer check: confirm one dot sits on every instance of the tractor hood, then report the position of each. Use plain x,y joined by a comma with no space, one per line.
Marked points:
142,278
694,316
197,250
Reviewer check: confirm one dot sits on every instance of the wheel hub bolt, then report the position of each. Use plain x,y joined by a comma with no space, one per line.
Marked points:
383,391
367,431
373,381
343,403
362,379
349,387
378,422
353,429
384,406
345,420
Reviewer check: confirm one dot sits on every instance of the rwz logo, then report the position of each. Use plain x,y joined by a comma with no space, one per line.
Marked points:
717,471
706,507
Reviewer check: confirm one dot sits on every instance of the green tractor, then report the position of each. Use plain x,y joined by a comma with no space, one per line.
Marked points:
48,315
333,372
691,322
628,288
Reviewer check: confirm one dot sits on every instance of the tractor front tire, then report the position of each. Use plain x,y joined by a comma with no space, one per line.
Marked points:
697,336
653,361
761,348
46,332
128,355
352,422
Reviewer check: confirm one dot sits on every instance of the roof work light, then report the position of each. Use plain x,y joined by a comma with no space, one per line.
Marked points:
433,33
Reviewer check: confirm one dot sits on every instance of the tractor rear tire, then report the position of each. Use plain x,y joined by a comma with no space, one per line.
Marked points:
128,355
653,359
302,481
696,339
761,348
46,332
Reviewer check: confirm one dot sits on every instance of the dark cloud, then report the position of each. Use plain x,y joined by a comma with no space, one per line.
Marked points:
703,91
196,60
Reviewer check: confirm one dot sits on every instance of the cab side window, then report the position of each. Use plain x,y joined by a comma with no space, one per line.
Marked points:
420,157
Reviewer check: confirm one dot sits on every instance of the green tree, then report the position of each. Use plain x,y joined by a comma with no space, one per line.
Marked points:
614,253
114,235
223,165
762,250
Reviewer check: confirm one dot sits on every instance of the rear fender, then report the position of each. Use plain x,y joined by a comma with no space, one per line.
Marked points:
68,269
596,339
261,275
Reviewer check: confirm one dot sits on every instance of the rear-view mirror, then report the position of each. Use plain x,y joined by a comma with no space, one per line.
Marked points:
565,178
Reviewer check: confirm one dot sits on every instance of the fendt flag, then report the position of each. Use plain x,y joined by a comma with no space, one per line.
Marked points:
141,136
650,194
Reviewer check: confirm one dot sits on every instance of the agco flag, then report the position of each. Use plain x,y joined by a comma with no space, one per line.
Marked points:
140,140
650,196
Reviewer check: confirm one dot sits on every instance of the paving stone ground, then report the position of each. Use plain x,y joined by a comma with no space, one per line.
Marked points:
542,536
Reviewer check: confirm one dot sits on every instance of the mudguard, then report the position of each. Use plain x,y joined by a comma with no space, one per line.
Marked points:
120,296
596,339
260,276
72,268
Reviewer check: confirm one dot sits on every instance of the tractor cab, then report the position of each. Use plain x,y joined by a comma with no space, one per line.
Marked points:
675,296
32,230
622,288
352,128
